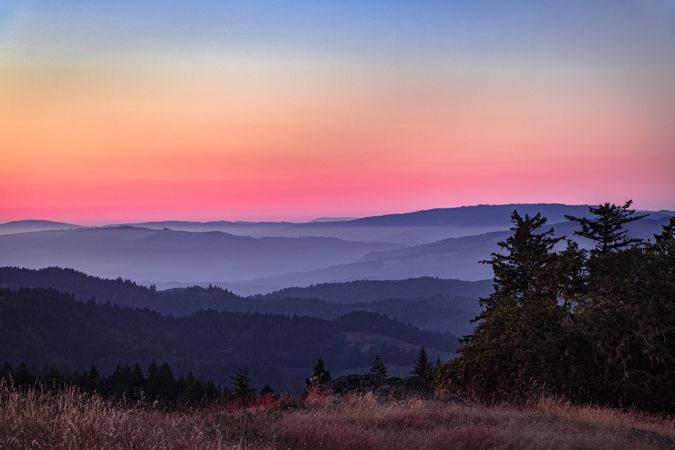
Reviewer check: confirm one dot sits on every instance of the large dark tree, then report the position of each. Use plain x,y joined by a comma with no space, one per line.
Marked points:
161,383
320,376
627,316
594,326
655,382
518,337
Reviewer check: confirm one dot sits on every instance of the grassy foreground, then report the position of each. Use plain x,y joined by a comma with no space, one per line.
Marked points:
69,419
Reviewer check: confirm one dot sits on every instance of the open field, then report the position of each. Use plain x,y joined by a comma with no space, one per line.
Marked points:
75,421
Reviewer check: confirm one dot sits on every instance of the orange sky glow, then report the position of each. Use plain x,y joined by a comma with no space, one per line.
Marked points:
295,136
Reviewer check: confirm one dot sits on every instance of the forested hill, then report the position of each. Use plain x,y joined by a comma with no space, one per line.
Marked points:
119,291
364,291
428,303
44,326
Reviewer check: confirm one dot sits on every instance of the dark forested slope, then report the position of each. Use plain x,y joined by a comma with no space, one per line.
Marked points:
365,291
433,304
44,326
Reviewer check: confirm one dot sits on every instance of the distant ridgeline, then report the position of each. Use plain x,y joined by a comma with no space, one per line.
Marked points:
252,258
428,303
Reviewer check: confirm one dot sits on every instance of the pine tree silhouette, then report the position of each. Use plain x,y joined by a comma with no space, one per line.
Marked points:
423,368
320,375
241,386
607,228
378,369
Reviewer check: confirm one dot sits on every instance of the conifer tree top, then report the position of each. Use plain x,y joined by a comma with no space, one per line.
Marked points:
423,368
378,369
607,228
320,375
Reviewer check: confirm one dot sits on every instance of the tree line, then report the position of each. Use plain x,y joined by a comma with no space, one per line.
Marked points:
596,326
159,386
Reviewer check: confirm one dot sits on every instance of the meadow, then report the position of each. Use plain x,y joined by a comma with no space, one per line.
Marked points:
35,419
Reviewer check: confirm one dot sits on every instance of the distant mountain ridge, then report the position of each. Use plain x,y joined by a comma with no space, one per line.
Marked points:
406,229
169,255
445,243
28,226
483,215
470,215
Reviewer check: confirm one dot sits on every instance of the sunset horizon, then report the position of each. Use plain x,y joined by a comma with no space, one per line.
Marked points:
152,110
293,219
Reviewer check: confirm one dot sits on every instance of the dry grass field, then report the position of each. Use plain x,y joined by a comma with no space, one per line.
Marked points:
71,420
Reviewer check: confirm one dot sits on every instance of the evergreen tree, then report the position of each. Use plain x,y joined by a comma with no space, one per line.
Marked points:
607,228
320,376
519,336
161,383
652,381
241,386
572,274
378,369
664,244
626,320
116,384
423,368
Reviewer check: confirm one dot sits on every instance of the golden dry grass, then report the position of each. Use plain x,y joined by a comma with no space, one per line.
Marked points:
71,420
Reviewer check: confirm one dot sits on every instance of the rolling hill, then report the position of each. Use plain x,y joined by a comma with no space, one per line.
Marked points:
455,258
248,265
45,326
432,304
368,291
410,228
168,255
27,226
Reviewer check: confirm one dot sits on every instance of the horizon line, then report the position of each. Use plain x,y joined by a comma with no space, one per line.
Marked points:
317,219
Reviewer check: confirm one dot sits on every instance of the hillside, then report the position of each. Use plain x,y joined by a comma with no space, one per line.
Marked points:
478,215
44,326
457,258
410,228
116,291
366,291
167,255
248,265
439,305
27,226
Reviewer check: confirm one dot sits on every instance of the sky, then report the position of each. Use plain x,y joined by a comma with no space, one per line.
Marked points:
265,110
